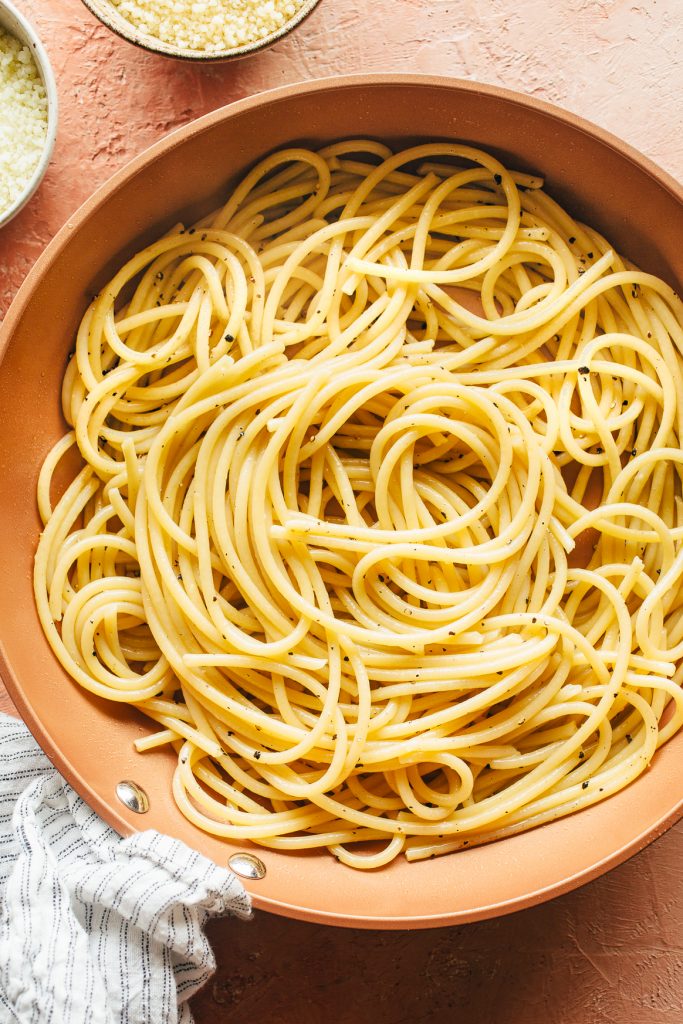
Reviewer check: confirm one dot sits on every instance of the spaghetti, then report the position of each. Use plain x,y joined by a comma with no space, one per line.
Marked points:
378,514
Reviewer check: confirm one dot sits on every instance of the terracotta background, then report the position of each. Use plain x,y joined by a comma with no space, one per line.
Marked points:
612,951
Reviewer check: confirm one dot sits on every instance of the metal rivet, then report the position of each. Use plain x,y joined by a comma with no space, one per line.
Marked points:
133,796
247,865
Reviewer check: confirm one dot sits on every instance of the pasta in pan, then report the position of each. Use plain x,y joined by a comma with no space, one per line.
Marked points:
378,514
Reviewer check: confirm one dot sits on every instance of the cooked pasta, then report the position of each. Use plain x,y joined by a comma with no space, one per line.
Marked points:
377,513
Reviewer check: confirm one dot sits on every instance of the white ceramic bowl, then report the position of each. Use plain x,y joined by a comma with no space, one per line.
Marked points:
114,20
13,21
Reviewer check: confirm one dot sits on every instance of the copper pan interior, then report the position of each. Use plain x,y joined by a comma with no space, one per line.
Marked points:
599,179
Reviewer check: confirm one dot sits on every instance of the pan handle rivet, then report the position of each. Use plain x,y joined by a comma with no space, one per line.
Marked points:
246,865
133,796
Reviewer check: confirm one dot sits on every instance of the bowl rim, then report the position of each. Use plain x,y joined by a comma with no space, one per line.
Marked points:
109,16
106,809
18,25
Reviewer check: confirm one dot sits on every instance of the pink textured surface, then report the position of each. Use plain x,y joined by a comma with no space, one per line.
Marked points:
612,951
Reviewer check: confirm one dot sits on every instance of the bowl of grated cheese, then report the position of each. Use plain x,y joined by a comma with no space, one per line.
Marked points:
202,30
28,111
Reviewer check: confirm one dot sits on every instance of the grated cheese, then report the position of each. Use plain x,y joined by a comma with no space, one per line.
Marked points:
23,118
208,25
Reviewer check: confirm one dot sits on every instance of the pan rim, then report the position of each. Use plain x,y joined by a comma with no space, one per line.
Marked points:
74,223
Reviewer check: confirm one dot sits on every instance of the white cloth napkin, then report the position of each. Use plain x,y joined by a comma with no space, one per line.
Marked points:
96,929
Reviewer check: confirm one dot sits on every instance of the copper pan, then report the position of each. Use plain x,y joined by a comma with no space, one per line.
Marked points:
600,179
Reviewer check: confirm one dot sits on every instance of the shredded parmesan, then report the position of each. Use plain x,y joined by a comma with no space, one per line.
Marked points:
23,118
208,25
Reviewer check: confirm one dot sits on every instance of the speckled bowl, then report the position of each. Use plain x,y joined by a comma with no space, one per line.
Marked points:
110,16
599,179
13,21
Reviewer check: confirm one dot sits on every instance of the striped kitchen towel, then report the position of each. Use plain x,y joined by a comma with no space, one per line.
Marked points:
96,929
